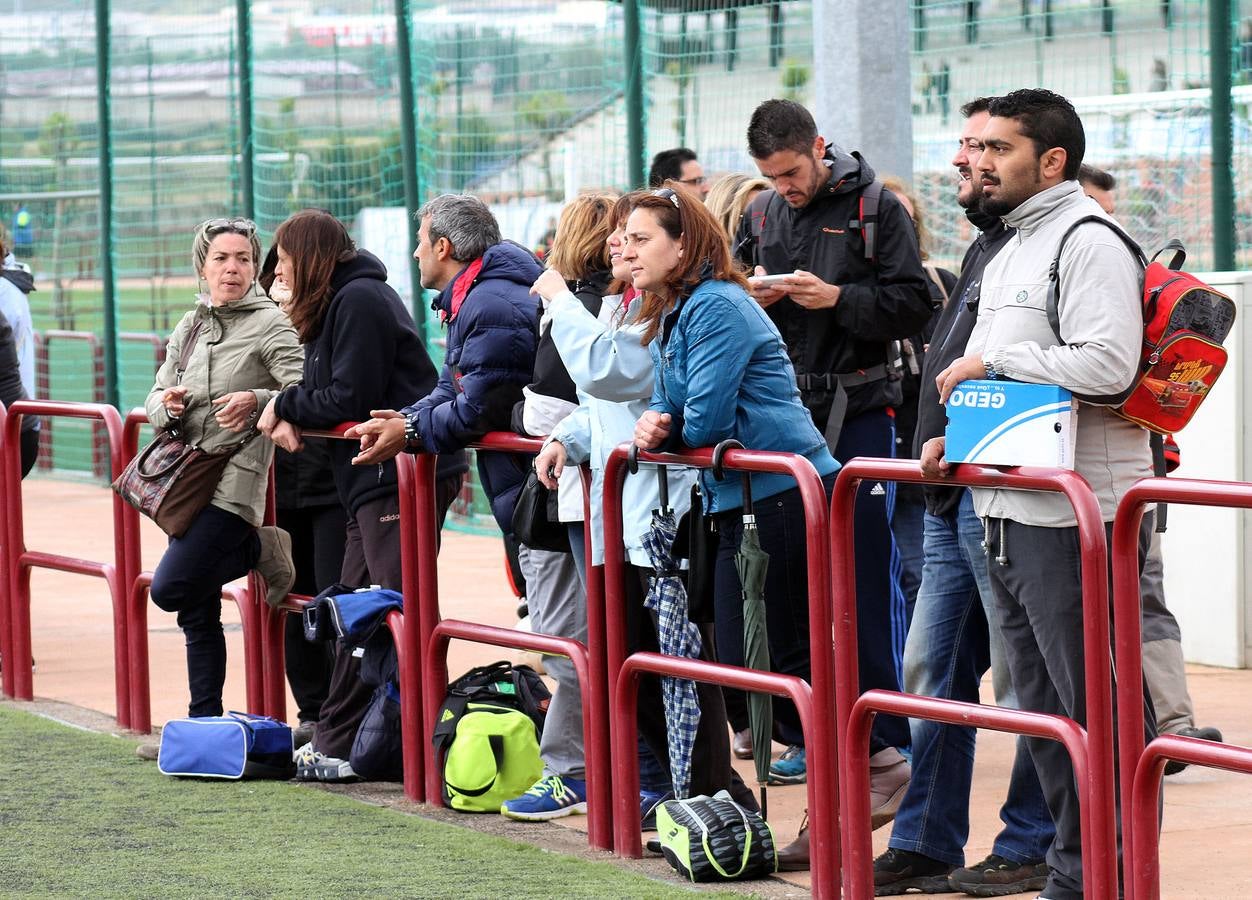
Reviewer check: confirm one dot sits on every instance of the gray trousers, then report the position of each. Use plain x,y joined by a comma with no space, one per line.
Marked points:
558,606
1163,666
1038,607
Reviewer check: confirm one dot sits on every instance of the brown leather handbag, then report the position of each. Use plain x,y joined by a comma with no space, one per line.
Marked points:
170,481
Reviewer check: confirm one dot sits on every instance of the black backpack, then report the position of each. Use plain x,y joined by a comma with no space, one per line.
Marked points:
500,684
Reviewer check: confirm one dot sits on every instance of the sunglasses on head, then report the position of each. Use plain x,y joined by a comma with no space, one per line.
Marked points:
668,194
233,224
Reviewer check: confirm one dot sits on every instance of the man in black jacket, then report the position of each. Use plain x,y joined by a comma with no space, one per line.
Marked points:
950,645
853,287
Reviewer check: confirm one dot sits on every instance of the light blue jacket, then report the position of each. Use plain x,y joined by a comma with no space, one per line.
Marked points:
723,372
613,373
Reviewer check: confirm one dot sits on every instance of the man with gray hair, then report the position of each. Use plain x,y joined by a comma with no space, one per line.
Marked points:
493,327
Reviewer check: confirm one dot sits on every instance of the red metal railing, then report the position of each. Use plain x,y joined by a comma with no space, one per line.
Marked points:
1142,768
587,658
43,382
17,675
1091,750
820,743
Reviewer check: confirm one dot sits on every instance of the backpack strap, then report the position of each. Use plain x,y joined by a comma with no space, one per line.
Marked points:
867,218
1179,258
933,271
1054,270
756,213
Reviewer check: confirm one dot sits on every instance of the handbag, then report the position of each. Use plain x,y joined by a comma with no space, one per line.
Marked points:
233,746
535,521
170,481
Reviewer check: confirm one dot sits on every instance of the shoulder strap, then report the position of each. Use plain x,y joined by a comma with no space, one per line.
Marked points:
1054,270
933,271
867,220
189,345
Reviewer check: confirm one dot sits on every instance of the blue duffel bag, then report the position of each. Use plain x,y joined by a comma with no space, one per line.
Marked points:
237,745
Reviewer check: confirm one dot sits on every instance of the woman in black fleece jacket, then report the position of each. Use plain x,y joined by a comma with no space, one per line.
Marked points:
362,352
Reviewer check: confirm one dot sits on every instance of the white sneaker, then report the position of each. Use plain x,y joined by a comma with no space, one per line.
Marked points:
314,766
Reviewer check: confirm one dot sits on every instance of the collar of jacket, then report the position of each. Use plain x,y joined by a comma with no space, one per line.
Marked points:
22,280
459,289
247,303
1032,213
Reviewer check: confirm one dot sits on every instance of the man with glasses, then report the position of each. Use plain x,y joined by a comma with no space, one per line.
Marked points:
679,164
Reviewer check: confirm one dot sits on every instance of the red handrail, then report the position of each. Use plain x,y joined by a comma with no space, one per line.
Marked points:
1097,806
17,676
1142,768
821,745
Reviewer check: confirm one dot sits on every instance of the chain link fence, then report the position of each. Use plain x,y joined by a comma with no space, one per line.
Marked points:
523,103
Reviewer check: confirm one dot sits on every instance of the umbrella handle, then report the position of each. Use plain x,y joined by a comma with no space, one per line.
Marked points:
632,466
720,473
632,459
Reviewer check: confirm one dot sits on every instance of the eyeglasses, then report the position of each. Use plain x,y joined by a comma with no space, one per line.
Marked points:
667,194
694,182
233,224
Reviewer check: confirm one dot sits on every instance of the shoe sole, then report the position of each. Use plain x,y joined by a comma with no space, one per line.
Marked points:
920,884
742,754
787,779
547,815
325,774
888,810
1001,890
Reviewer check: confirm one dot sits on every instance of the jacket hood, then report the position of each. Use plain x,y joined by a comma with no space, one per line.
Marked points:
849,172
506,260
23,280
363,265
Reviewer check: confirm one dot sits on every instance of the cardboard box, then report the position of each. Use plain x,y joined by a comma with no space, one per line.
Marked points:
1011,423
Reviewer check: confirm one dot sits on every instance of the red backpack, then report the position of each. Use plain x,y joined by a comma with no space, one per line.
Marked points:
1184,324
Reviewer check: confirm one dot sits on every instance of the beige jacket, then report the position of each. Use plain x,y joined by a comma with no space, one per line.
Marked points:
245,345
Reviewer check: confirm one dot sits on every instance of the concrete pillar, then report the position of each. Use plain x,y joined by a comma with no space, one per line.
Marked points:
862,82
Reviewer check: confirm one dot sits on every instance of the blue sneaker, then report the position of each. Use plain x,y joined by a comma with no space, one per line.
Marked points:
789,768
648,802
551,797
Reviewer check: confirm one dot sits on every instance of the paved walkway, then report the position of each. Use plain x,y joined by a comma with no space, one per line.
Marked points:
1208,814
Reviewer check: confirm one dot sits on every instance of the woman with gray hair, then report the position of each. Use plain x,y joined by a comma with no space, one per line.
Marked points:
227,357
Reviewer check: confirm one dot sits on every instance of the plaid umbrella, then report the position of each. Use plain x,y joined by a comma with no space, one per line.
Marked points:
677,636
752,563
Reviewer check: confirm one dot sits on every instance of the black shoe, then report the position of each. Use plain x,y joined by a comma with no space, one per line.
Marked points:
899,872
997,876
1173,766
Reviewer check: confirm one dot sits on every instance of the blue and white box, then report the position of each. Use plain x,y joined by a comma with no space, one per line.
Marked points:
1011,423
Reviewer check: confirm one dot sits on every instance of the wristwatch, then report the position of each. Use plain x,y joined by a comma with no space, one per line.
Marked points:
991,369
412,436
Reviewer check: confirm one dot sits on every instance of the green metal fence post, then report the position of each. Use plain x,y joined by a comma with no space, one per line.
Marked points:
105,153
408,152
1220,63
243,24
635,125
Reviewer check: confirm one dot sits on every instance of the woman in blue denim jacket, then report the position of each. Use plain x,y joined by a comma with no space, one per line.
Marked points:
722,372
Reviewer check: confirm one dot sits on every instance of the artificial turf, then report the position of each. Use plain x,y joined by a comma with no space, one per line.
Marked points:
82,816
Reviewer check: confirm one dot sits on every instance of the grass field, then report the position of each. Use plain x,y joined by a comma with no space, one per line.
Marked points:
81,816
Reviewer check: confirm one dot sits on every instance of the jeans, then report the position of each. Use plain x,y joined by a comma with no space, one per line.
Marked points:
907,525
949,648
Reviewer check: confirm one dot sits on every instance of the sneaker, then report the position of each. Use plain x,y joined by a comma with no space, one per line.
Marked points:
1173,766
314,766
303,733
889,774
998,876
275,565
789,768
149,750
648,803
550,798
899,872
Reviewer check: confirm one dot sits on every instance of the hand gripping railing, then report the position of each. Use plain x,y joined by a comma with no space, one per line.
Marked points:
17,680
1142,768
137,584
815,704
1091,750
586,658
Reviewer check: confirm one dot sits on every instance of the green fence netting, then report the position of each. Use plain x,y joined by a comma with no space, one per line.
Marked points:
524,104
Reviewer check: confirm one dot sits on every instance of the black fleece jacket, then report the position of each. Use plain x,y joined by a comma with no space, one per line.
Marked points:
367,355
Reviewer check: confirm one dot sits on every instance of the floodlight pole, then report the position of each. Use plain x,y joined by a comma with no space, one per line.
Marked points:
1222,139
408,153
243,26
105,156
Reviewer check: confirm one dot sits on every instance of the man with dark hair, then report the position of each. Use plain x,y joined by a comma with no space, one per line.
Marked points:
1099,186
1032,147
853,287
950,645
679,164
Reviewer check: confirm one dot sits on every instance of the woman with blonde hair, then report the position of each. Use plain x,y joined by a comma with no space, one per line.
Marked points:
729,197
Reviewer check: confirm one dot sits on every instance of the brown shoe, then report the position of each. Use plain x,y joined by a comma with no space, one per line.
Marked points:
889,774
275,565
795,856
741,744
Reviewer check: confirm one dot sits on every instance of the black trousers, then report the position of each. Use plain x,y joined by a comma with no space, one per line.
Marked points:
371,556
710,759
218,547
318,539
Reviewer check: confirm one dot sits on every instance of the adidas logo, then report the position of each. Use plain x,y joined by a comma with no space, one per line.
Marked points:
877,490
447,715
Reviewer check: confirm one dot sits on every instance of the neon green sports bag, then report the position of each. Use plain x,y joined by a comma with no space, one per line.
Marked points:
493,756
